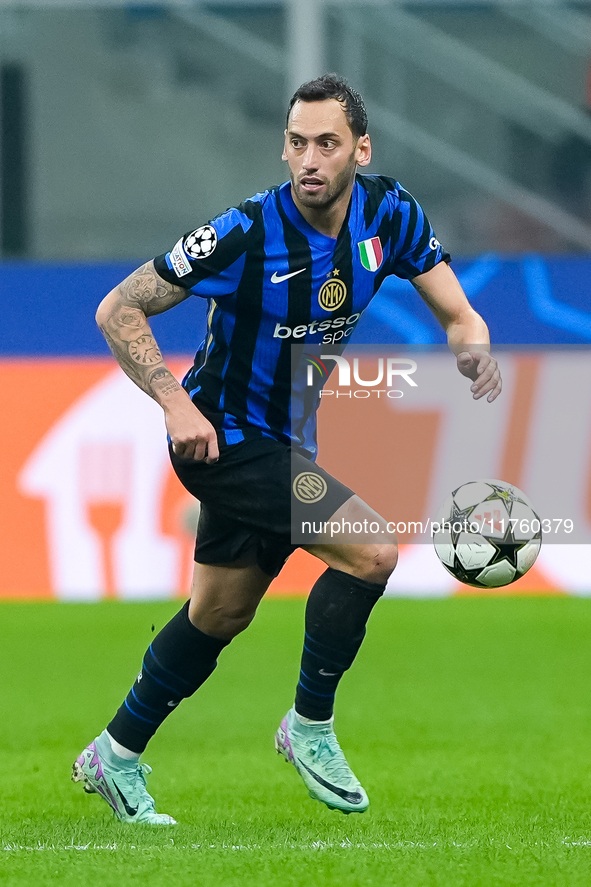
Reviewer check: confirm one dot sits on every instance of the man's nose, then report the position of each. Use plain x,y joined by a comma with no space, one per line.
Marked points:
310,161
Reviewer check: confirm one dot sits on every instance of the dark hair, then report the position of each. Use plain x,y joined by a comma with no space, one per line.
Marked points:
331,86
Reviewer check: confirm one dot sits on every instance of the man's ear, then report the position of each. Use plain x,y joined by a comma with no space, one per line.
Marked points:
363,150
284,155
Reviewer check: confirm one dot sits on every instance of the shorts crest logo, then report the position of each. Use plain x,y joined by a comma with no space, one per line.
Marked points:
201,243
332,294
309,487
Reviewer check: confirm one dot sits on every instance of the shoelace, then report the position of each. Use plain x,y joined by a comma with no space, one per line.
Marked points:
142,771
335,762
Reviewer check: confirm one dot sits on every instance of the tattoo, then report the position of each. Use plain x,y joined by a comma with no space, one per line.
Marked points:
145,350
131,317
146,289
123,321
424,295
162,381
158,375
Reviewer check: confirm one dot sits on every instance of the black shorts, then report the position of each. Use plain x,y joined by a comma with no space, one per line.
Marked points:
252,498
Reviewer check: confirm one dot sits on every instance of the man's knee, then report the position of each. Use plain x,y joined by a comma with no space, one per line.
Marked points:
224,620
224,598
374,563
378,562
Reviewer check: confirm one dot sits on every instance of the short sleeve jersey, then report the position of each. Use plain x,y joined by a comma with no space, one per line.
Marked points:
273,281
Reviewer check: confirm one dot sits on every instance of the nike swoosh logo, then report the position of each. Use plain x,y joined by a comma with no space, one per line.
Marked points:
131,811
351,797
328,674
279,279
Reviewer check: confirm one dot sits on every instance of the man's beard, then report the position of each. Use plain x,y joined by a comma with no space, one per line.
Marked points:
332,191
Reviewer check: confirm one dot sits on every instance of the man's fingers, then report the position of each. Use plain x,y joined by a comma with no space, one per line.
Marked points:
203,449
184,448
484,361
487,367
485,376
484,372
191,434
495,393
488,386
200,450
493,390
213,451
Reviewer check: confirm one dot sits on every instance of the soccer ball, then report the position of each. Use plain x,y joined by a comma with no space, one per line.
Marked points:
201,243
487,533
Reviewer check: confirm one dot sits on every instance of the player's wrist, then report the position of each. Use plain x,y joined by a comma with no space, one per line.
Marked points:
177,402
468,348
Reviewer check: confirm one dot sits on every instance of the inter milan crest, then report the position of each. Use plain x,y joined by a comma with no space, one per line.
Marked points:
309,487
333,292
201,243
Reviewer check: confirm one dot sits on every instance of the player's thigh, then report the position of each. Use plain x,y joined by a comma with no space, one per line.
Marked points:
357,541
224,597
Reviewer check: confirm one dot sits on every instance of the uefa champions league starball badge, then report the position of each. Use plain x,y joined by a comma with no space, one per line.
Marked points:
201,243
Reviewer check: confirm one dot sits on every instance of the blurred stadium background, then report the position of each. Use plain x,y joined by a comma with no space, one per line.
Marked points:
123,125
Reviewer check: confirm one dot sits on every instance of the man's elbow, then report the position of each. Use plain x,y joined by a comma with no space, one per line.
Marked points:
106,308
102,314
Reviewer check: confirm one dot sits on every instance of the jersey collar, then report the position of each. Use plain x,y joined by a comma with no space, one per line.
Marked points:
321,241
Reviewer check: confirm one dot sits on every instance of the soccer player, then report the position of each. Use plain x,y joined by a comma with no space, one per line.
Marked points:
239,442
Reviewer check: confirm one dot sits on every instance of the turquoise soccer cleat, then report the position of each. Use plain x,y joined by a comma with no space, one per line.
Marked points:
316,754
123,788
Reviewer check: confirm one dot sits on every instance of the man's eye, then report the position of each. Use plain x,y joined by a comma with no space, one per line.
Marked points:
297,143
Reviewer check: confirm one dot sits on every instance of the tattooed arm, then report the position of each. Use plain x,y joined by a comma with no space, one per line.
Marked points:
122,317
467,333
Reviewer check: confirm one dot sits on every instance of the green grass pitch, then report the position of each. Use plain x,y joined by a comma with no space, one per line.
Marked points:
468,721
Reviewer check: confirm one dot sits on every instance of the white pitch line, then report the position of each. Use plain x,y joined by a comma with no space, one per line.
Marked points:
252,848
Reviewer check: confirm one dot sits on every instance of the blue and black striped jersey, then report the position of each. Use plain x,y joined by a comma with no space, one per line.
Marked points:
273,281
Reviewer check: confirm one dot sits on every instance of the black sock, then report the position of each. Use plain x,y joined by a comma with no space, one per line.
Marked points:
177,662
336,613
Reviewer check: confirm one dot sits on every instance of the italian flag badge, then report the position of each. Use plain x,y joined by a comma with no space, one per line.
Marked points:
371,253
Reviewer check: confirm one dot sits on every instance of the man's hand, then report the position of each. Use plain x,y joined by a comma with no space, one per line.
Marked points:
441,291
483,370
192,435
